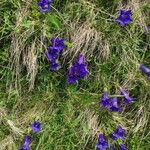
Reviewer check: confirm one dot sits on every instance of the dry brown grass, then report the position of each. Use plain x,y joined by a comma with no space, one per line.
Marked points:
92,122
85,40
30,61
84,36
23,54
8,143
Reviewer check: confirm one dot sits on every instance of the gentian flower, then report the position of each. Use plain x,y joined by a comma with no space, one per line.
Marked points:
77,71
59,43
102,143
36,126
114,105
27,141
52,53
118,133
81,59
73,75
105,101
127,98
54,66
125,17
122,147
44,5
144,69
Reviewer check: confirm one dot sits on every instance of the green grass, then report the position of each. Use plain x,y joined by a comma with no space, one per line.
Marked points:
70,115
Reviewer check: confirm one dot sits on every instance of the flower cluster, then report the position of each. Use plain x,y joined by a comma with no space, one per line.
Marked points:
125,17
45,5
77,71
54,51
112,103
35,127
118,133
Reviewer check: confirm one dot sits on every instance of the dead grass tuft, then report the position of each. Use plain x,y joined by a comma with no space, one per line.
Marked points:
140,119
30,61
92,121
22,53
8,143
84,36
88,40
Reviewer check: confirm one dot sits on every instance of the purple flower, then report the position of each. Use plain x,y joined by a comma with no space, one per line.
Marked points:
44,5
102,143
114,105
81,59
26,143
122,147
77,71
73,75
127,98
59,43
118,133
36,126
125,17
54,66
27,140
105,101
52,53
144,69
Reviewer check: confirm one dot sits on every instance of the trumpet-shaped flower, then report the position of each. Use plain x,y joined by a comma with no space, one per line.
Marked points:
36,126
44,5
27,141
77,71
114,105
104,100
125,17
52,53
126,96
59,43
118,133
102,143
145,70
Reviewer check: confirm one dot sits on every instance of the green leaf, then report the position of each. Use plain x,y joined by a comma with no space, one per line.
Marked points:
68,44
26,23
54,20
